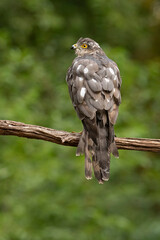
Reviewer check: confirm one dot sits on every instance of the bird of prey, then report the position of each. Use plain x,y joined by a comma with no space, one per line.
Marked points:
94,86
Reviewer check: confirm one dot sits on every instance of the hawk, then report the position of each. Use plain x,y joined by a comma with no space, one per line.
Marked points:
94,86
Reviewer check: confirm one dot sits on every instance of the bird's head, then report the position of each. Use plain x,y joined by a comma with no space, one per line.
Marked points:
86,46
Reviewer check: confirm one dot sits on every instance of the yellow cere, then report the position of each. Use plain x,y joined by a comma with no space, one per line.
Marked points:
84,45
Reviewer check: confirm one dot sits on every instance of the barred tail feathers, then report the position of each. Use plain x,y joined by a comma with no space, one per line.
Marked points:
85,147
102,148
97,143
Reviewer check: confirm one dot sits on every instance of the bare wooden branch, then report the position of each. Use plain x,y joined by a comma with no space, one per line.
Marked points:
71,139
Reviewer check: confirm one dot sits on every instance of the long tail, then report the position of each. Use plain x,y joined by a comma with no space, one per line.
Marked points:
97,143
102,153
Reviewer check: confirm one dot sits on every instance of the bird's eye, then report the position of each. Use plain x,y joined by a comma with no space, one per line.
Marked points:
84,45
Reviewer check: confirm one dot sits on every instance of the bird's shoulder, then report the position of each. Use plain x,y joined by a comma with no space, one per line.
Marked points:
95,66
97,60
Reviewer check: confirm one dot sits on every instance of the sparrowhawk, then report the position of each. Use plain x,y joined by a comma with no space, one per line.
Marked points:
94,86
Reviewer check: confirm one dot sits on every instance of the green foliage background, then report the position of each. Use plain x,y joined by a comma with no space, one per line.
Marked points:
43,192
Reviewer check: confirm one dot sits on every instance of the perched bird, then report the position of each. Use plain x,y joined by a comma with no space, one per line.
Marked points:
94,86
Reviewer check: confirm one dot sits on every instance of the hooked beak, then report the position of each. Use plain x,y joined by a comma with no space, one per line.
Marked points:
74,46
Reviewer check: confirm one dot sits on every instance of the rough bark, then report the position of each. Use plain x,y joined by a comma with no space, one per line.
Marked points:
71,138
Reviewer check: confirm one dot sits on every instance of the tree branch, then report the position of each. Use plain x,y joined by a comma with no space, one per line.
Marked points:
71,139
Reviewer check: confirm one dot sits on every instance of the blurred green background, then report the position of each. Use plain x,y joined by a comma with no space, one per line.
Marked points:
43,191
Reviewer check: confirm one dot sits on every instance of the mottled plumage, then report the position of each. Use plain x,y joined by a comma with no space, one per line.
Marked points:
94,86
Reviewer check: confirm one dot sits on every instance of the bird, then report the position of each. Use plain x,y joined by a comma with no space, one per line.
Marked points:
94,84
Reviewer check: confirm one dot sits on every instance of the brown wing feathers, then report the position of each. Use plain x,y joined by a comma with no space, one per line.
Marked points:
94,88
